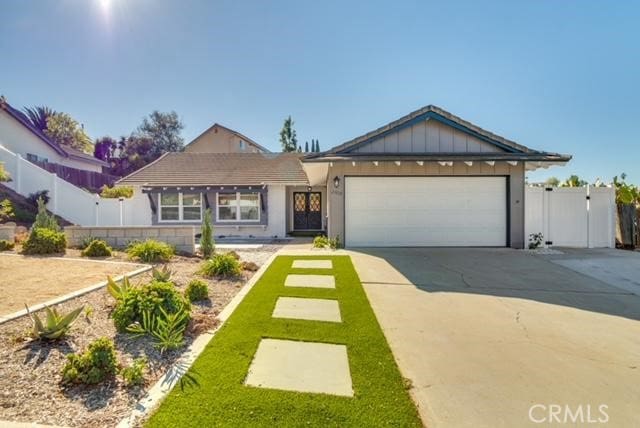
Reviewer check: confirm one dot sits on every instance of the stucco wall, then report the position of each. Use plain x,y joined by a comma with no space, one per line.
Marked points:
220,140
18,139
515,175
182,237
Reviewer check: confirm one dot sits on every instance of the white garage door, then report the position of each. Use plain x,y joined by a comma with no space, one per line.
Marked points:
425,211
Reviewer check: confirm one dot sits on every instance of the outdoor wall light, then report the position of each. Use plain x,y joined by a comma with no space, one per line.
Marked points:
336,182
308,188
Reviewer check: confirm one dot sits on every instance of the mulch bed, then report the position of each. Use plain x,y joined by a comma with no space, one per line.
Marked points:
30,388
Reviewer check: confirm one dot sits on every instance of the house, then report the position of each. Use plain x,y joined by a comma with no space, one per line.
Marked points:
19,136
427,179
219,139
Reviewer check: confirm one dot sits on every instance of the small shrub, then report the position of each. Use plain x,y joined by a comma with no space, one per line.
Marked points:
207,244
44,220
44,241
116,192
97,248
234,255
93,366
55,325
250,266
150,251
320,241
134,374
154,298
221,265
197,290
35,197
335,243
535,240
6,210
167,329
87,241
161,275
6,245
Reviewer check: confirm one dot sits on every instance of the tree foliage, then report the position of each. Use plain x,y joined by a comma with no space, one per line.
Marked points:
626,193
66,131
207,243
574,181
288,138
38,116
4,175
552,181
163,130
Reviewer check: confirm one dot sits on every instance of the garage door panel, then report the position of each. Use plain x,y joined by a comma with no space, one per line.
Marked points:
425,211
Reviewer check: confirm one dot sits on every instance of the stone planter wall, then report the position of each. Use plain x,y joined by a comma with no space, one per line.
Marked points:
181,237
7,233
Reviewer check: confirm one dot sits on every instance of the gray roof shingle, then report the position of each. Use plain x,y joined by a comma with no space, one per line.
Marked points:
211,169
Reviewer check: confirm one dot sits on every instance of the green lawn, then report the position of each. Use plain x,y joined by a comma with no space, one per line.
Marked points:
222,399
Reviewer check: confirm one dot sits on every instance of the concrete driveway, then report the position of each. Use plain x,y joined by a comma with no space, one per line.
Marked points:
485,334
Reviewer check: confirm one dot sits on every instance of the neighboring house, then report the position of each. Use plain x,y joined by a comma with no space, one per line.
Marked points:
426,179
219,139
20,137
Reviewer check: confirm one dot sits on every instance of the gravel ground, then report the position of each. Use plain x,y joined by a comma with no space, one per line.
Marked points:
30,389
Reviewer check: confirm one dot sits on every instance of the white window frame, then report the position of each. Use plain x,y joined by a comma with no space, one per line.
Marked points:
180,209
237,219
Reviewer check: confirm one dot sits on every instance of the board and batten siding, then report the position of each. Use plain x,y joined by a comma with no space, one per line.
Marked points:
428,136
515,193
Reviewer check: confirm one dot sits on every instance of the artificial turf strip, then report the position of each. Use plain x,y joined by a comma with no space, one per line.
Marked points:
222,399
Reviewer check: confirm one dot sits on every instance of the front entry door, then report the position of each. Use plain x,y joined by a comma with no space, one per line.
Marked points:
307,211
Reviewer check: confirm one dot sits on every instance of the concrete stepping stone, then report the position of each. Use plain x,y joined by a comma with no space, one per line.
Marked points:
311,281
307,309
312,264
301,366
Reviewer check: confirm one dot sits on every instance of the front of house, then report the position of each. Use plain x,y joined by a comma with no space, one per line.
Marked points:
426,179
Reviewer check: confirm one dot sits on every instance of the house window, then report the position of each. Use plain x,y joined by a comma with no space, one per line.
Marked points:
239,206
242,146
35,158
180,207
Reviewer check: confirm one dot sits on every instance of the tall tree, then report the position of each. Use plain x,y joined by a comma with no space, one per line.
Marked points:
163,129
288,138
105,148
552,181
574,181
306,146
38,116
66,131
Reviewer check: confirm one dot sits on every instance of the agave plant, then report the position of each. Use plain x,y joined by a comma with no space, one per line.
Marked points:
118,291
55,325
161,275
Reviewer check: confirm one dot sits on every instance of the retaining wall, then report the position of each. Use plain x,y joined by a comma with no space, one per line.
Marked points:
181,237
7,233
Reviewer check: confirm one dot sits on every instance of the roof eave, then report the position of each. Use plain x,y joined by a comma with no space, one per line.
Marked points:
497,156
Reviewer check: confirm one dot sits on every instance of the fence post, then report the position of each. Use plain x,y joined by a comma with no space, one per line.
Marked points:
121,201
18,177
53,199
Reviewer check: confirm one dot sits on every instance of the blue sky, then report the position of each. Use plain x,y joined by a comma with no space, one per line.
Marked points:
553,75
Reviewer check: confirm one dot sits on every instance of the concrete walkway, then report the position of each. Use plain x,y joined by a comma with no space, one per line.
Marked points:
486,334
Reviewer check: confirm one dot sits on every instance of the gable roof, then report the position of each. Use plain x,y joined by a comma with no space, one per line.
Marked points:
508,148
236,133
63,151
213,169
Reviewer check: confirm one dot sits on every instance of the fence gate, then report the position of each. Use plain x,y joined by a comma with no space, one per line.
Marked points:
571,216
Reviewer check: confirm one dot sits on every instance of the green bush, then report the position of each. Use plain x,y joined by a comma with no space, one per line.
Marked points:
134,374
97,248
207,244
153,297
167,330
6,245
320,242
6,210
44,241
197,290
116,192
44,220
150,251
93,366
221,265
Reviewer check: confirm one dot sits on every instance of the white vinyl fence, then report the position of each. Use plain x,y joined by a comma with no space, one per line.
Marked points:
571,216
73,203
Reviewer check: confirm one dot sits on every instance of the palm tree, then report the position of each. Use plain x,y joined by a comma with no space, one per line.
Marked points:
38,116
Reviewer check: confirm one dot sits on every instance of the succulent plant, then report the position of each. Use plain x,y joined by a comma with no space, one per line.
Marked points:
118,291
162,275
55,325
